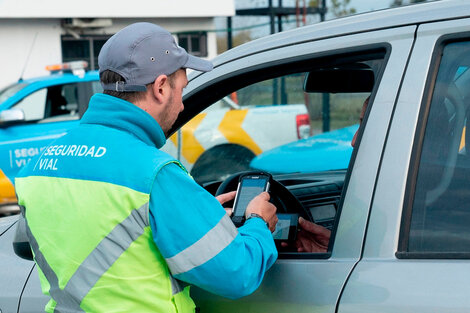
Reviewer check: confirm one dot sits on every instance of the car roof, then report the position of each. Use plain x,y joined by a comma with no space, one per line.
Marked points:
387,18
59,77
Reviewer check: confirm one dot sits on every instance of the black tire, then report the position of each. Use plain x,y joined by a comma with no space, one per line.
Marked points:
219,162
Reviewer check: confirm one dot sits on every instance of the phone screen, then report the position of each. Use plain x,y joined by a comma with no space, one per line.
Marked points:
286,227
249,188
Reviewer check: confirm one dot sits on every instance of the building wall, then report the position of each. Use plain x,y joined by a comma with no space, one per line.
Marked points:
17,36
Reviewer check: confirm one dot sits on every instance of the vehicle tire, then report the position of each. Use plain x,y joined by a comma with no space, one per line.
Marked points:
220,162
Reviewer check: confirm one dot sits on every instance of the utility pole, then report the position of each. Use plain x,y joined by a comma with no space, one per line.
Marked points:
279,12
229,33
325,96
273,13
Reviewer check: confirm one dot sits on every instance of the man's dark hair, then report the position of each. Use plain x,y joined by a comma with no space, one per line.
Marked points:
110,77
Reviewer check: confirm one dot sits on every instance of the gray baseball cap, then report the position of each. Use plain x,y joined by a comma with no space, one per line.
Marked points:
141,52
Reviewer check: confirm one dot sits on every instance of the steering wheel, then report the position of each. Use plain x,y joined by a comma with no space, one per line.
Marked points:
281,197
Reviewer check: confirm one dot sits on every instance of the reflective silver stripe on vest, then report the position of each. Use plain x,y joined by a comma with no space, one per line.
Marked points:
177,285
65,302
96,263
205,248
107,252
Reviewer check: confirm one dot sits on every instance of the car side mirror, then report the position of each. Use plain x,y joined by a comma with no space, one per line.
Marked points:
20,241
11,116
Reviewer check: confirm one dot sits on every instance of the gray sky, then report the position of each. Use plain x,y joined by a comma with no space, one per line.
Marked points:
360,5
240,22
370,5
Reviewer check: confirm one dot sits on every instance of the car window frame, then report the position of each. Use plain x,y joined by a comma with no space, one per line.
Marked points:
418,140
84,93
244,77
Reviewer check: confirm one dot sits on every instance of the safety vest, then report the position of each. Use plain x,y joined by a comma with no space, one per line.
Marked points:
87,212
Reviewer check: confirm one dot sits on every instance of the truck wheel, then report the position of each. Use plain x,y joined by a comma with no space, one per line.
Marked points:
221,161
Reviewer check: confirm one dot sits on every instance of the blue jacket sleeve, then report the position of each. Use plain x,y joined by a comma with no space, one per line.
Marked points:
200,243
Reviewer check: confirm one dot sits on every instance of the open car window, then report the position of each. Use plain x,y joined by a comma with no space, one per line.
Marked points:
295,121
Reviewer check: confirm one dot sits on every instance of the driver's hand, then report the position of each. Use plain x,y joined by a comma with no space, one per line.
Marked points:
311,237
261,206
226,197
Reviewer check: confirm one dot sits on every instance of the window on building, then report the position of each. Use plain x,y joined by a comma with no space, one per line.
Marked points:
84,48
194,43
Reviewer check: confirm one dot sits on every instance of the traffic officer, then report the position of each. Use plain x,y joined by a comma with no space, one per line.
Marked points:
115,224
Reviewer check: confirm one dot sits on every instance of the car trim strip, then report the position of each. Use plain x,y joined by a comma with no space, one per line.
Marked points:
64,301
217,239
107,252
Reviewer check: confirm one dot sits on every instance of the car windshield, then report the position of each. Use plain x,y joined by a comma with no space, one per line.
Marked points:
9,91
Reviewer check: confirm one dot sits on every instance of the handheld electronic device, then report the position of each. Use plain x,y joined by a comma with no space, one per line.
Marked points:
249,186
286,227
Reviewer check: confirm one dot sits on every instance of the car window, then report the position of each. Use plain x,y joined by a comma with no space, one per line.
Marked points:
301,119
274,125
59,102
33,105
9,91
281,90
440,212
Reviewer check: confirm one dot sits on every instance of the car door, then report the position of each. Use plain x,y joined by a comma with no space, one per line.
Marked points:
312,282
416,252
15,271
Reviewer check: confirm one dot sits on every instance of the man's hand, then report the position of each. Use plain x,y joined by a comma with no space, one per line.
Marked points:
261,206
226,197
312,237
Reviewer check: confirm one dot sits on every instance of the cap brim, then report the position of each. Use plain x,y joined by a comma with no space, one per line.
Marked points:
198,64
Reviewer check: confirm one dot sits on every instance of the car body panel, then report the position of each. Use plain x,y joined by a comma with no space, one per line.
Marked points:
381,281
34,298
15,271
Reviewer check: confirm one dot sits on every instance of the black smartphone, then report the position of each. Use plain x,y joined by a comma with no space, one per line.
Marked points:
249,186
286,227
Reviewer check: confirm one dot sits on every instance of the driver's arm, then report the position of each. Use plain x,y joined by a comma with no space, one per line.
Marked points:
199,241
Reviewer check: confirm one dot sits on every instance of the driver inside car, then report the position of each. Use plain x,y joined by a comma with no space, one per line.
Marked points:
312,237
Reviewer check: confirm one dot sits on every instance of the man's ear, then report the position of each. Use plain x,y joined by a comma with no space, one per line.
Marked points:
160,86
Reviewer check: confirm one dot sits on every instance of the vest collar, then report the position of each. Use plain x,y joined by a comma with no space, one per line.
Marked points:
113,112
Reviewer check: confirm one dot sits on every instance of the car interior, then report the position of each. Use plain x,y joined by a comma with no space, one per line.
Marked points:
314,196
